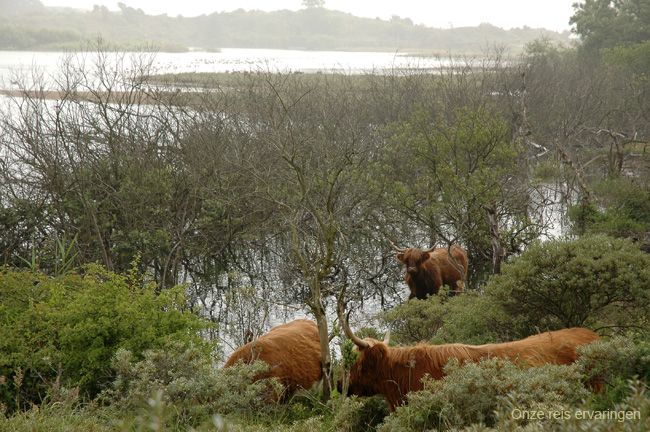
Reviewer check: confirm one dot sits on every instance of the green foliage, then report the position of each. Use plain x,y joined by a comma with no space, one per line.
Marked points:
453,159
544,49
190,385
614,363
473,392
624,210
54,417
448,164
631,415
416,320
359,414
470,318
19,221
591,281
635,57
24,37
584,217
350,355
69,327
611,23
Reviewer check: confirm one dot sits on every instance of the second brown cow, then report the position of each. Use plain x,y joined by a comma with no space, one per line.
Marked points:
292,352
429,269
395,371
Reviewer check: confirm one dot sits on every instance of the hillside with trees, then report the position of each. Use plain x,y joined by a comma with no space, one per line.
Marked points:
150,224
314,28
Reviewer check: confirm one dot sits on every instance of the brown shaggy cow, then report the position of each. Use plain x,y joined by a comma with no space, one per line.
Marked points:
428,270
395,371
292,352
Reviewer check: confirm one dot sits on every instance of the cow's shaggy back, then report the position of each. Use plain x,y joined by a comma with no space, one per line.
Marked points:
395,371
292,352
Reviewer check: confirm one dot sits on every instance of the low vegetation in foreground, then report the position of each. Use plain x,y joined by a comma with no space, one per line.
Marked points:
114,352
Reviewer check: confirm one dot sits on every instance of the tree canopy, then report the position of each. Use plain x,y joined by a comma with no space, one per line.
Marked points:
611,23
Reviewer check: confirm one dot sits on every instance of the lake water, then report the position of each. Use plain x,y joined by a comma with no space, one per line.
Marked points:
239,60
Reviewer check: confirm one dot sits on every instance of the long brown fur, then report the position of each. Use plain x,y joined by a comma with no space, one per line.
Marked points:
395,371
426,271
292,352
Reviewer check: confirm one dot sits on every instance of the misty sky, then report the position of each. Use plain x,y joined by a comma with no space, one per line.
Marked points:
549,14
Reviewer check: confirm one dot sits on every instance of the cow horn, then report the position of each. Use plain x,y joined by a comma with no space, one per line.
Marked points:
358,342
387,337
431,249
395,247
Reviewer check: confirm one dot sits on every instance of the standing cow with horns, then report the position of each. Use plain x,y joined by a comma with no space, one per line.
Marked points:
429,269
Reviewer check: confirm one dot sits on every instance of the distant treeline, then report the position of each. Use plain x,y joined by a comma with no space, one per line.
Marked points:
41,28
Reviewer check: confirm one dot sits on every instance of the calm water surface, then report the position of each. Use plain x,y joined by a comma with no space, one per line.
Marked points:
235,60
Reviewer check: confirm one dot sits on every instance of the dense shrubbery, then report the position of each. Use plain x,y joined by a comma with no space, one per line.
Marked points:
488,396
623,210
189,381
592,281
66,329
177,384
471,318
359,414
615,363
577,418
471,394
22,37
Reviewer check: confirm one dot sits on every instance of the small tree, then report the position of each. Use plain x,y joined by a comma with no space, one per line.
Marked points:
456,175
313,177
607,23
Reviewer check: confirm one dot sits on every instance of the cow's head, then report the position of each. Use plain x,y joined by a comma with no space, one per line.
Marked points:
412,258
368,372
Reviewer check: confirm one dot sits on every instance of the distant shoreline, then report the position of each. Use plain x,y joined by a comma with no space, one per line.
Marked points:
84,96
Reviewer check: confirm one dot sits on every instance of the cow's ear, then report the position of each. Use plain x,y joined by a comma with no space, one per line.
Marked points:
382,350
426,256
400,257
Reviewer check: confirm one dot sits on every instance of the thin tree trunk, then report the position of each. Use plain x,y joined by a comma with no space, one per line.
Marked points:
323,333
498,251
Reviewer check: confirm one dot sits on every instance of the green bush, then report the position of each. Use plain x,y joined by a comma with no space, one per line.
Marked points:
590,282
67,329
469,318
615,363
582,417
622,209
355,414
472,393
49,417
189,384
